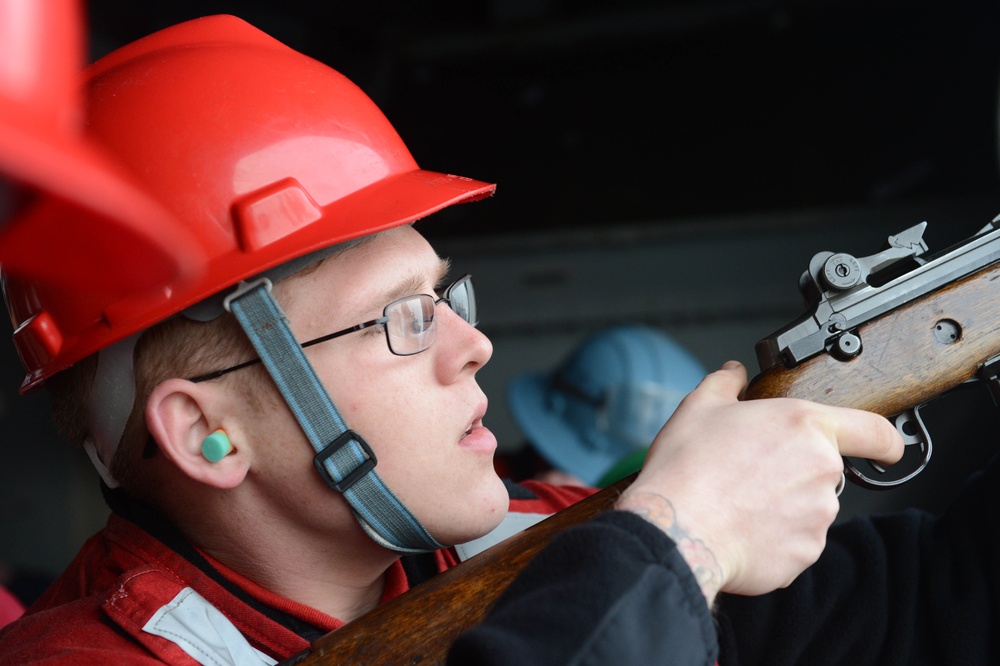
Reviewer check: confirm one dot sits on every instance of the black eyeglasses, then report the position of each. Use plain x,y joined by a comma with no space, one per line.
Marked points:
409,323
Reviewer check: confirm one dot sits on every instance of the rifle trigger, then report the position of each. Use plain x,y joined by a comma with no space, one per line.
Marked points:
911,427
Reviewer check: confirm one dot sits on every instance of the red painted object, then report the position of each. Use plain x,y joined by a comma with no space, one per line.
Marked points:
261,154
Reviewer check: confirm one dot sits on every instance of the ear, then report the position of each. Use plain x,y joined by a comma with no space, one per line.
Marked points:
180,415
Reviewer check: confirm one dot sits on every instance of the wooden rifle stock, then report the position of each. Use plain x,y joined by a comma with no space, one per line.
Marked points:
906,360
904,364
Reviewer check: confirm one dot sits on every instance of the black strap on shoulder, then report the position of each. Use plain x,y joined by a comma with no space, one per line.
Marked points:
517,491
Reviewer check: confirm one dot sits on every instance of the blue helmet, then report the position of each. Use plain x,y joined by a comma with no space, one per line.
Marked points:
607,400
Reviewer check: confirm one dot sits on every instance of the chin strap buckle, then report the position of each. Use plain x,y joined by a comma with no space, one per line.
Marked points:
368,460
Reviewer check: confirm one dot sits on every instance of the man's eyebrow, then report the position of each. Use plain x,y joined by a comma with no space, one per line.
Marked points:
444,267
414,284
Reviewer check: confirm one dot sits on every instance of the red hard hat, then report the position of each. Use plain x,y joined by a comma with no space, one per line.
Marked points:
60,196
262,154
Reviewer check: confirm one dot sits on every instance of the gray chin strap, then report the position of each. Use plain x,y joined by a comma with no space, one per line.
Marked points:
112,398
343,459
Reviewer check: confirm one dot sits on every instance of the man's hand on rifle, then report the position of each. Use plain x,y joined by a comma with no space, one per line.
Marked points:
747,489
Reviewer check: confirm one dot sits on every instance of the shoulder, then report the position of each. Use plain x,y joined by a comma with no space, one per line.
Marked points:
112,602
71,633
540,497
11,607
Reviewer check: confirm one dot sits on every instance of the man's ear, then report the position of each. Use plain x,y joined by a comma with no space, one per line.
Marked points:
179,417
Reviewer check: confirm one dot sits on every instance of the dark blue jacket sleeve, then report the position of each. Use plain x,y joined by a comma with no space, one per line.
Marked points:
611,591
912,588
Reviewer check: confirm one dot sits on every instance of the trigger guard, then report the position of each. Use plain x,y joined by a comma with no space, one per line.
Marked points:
921,438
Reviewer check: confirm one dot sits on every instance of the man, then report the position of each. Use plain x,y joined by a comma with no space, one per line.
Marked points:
294,434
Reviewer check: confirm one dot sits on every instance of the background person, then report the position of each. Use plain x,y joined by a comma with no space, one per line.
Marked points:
592,418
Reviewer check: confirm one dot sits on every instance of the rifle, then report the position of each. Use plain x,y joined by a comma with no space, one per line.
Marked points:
885,333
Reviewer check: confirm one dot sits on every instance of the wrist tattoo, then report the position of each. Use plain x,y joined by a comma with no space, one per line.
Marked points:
660,511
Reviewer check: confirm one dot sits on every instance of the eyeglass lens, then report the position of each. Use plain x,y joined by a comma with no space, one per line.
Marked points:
411,324
461,297
411,327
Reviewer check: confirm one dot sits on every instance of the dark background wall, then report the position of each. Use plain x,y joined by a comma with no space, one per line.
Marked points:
675,163
589,112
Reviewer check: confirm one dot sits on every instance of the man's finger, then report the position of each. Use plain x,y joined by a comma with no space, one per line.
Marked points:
727,381
863,434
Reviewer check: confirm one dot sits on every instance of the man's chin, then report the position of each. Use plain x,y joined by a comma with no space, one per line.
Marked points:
494,506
